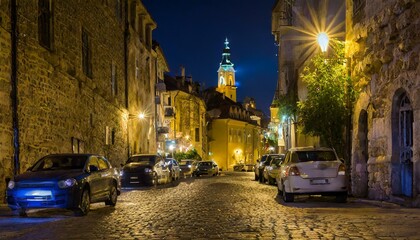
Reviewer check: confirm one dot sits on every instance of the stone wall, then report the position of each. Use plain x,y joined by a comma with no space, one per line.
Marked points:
383,45
6,130
57,101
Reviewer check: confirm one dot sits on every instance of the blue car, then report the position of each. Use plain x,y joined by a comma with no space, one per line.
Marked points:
69,181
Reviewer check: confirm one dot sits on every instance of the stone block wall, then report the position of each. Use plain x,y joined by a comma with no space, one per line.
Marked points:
6,129
60,109
383,44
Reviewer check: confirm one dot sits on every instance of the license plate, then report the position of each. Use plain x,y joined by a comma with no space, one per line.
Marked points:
134,178
319,181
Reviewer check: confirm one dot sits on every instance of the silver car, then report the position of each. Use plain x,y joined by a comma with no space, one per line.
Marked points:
174,168
312,171
188,166
272,170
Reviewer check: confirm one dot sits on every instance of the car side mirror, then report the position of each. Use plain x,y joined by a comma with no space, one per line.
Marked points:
93,168
342,160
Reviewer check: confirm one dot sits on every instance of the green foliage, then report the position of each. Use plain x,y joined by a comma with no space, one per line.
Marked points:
191,154
287,105
327,106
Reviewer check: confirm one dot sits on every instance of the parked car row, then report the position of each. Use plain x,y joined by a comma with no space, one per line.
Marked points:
74,181
304,171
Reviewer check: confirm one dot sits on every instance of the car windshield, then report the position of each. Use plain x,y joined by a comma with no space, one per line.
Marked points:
142,160
276,161
307,156
59,163
184,163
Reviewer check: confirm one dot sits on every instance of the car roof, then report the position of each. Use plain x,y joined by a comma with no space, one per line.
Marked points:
295,149
144,154
75,154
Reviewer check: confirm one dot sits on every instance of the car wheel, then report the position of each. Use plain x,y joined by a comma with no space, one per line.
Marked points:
84,205
22,212
287,197
155,179
279,192
271,180
113,195
341,198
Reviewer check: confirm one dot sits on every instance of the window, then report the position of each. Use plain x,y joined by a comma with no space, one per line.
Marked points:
118,9
197,134
114,82
45,23
86,54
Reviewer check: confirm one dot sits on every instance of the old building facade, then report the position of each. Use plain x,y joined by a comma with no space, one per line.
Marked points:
185,113
382,44
73,75
234,129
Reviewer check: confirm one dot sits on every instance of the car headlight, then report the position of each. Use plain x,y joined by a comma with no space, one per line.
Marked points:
121,173
11,184
67,183
147,170
189,166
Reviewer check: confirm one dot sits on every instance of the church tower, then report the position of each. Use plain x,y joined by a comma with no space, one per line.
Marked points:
226,75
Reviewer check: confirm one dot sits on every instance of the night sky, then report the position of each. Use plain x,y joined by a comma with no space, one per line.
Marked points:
192,33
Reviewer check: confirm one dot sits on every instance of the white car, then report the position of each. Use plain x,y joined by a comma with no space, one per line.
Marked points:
312,171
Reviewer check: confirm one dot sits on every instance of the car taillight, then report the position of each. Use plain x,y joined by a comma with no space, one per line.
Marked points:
293,171
342,170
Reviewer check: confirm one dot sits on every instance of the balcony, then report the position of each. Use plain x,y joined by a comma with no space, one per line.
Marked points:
162,130
169,112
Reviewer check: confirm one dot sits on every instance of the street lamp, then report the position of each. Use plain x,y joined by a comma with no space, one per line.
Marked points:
323,40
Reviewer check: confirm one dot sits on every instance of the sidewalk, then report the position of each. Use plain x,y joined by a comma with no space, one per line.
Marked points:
5,211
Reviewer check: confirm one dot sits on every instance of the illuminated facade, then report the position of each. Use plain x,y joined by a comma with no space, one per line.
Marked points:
226,75
290,22
185,114
234,130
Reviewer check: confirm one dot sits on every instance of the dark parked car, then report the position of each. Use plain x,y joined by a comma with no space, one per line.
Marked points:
206,168
144,170
69,181
259,167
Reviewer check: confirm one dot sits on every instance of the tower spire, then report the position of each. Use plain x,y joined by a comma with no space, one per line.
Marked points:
226,74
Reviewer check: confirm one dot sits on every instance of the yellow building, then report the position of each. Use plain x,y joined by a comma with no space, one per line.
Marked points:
234,132
185,112
234,138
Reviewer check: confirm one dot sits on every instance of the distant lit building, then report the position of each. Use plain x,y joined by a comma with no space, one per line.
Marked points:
185,114
234,133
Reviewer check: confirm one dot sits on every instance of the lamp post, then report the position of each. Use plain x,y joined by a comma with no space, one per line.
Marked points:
139,116
323,40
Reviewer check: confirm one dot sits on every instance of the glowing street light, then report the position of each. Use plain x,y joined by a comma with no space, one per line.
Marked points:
323,40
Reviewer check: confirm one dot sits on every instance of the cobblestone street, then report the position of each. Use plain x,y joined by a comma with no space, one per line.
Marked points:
230,206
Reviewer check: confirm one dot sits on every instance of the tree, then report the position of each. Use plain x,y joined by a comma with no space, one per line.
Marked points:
191,154
324,113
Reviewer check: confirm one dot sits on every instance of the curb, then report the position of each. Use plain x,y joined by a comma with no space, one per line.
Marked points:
382,204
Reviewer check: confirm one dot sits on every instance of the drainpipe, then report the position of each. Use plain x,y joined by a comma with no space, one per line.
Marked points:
14,83
126,39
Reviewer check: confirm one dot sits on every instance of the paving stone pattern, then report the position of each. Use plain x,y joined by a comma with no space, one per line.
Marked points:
230,206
